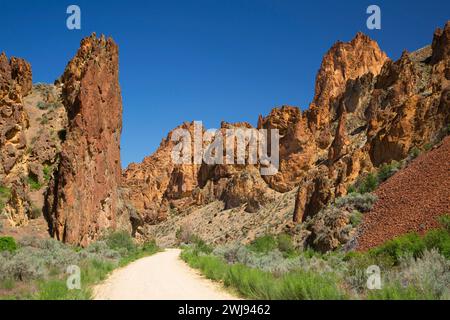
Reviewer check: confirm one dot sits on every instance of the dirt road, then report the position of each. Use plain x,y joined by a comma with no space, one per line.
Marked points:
163,276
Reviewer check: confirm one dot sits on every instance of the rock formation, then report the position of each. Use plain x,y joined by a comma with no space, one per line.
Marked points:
82,200
367,110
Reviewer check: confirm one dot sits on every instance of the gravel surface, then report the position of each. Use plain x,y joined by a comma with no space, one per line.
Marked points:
411,200
163,276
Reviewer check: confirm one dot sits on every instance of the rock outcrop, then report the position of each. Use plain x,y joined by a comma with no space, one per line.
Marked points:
367,110
15,83
82,199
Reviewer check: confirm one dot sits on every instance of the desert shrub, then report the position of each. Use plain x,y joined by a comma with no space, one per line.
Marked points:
264,244
414,152
55,254
42,105
34,183
7,244
4,191
396,291
445,222
256,283
5,194
310,286
35,213
368,184
99,250
415,245
361,202
422,278
48,105
438,239
201,245
7,284
252,283
42,264
212,267
355,218
120,241
357,263
285,244
409,244
47,172
276,262
429,274
23,265
428,146
388,170
44,120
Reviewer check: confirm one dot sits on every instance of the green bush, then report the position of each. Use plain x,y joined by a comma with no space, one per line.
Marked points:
285,244
8,244
414,152
34,183
409,244
264,244
428,146
252,283
397,292
47,172
429,275
257,284
388,170
415,245
301,285
369,184
445,222
5,194
356,218
438,239
120,241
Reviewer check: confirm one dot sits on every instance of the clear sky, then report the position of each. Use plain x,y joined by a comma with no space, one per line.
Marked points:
208,60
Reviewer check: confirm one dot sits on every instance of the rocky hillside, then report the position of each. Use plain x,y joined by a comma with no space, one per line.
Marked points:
368,110
412,200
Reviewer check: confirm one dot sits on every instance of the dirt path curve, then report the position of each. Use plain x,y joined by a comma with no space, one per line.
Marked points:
163,276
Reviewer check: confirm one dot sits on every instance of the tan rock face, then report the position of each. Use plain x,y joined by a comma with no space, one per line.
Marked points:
83,197
343,62
410,103
15,82
297,147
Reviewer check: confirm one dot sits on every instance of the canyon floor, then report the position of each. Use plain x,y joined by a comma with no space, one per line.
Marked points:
163,276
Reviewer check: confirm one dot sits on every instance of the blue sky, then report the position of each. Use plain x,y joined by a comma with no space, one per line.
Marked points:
208,60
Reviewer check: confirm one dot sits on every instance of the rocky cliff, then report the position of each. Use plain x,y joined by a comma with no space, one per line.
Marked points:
83,198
